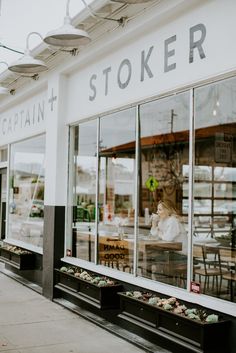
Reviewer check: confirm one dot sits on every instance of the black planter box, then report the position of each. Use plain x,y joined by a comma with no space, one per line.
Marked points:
192,335
67,280
20,261
5,254
100,297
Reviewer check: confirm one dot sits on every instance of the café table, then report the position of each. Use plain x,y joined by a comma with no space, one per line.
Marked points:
113,250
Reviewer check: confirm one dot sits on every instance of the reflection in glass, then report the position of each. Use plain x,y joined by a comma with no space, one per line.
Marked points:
164,159
117,190
215,154
222,174
3,154
85,151
202,206
26,192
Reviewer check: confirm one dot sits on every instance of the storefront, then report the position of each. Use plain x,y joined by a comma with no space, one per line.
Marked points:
145,114
22,181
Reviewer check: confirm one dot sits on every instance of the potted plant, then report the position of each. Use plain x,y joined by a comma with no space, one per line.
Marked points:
17,257
193,328
96,290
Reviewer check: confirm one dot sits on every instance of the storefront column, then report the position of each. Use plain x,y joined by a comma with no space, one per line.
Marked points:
55,181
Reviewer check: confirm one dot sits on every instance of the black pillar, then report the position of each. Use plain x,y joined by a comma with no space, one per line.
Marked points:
53,245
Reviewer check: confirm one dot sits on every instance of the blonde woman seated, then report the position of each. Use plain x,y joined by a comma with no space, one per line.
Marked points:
167,226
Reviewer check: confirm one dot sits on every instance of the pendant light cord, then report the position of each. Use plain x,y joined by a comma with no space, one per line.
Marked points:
8,48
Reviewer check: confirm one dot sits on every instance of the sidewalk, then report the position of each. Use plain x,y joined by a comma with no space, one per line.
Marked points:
29,323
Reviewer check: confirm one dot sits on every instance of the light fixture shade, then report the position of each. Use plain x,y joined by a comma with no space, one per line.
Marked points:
67,36
132,1
27,65
4,90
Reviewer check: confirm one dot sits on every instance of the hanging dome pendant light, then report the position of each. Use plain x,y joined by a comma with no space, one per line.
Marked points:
67,35
27,64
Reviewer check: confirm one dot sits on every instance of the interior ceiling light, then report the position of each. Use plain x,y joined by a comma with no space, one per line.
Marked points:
27,64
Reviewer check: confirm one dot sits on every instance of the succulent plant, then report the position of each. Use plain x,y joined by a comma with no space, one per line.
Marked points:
167,306
212,318
171,300
71,271
190,311
100,281
95,280
129,294
16,250
172,304
153,301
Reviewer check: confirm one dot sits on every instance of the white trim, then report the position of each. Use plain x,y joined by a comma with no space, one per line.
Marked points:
96,240
24,245
136,200
190,183
201,299
3,165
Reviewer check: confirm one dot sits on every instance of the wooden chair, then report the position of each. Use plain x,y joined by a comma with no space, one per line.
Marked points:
228,258
208,261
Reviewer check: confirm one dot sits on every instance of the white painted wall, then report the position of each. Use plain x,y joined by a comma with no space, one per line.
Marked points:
56,143
219,47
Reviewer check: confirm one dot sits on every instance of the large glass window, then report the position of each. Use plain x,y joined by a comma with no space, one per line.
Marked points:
164,159
84,194
215,189
142,213
117,190
26,191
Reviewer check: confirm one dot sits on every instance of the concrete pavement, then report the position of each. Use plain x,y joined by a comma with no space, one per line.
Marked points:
30,323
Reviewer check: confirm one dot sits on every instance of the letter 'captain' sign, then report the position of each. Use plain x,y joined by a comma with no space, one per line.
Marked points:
163,55
24,120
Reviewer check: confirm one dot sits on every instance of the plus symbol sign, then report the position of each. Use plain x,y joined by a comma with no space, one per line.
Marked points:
52,100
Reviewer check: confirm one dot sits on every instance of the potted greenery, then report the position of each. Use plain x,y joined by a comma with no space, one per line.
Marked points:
17,257
96,290
194,328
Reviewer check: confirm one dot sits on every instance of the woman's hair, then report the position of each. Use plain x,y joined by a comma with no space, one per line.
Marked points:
168,205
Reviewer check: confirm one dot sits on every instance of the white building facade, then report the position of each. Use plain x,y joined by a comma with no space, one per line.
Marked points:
145,113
